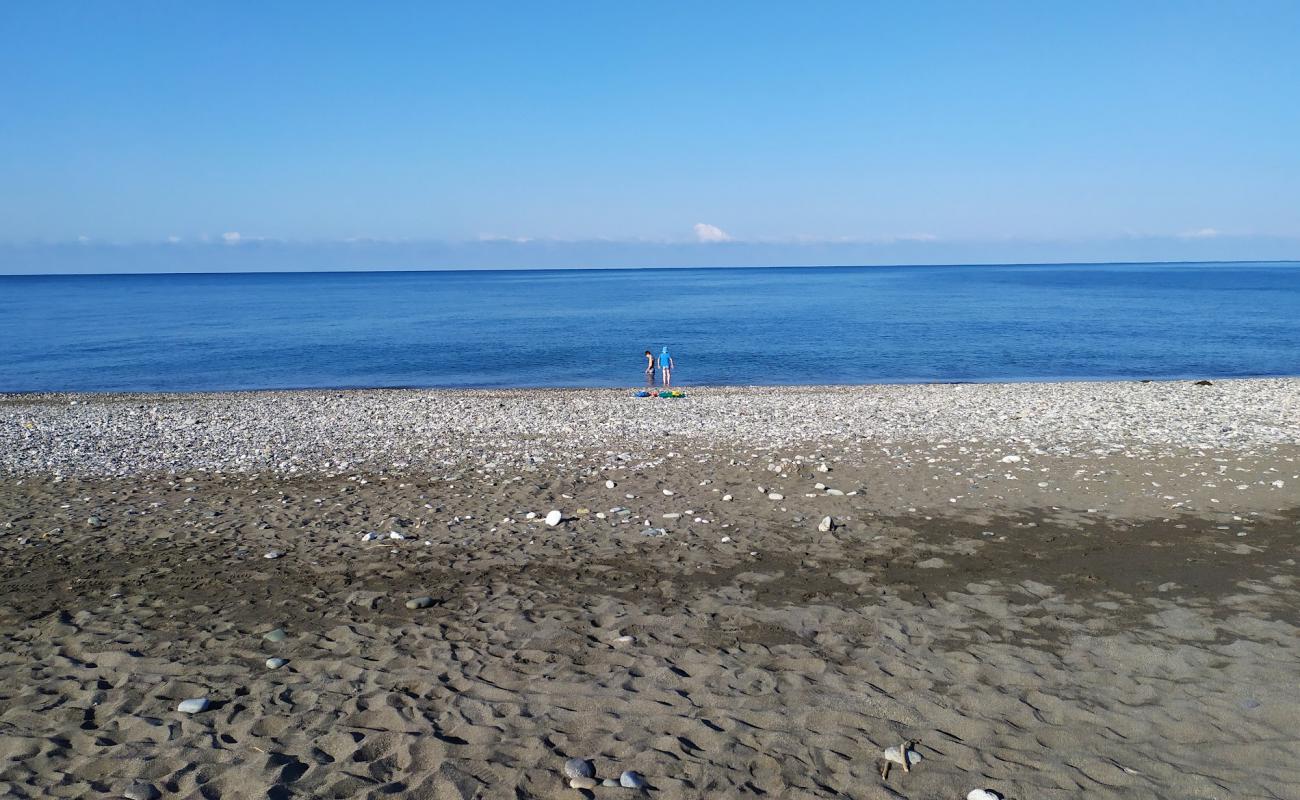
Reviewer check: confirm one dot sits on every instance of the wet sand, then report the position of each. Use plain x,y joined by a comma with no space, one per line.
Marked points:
1106,618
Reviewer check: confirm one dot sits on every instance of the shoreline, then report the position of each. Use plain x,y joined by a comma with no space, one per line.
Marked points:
44,394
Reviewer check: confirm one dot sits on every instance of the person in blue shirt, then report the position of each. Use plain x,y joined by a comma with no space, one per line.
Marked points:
666,367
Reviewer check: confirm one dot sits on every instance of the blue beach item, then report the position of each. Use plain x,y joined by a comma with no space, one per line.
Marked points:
642,393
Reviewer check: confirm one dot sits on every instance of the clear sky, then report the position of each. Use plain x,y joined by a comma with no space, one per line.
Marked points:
260,135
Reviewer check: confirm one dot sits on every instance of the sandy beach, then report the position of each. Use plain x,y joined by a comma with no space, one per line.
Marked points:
1055,590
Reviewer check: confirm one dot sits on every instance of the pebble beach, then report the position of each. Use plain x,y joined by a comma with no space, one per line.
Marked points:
918,591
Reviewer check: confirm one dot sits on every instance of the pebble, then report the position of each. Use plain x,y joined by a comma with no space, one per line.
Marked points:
194,705
419,602
1011,459
775,496
826,524
932,563
141,791
579,768
96,523
610,484
631,779
553,518
668,493
895,754
273,554
610,782
726,498
671,515
276,663
983,794
277,635
583,783
834,493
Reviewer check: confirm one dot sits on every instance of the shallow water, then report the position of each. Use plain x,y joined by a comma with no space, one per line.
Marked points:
589,328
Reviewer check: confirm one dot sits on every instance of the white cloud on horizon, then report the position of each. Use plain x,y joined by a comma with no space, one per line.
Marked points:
1200,233
231,237
704,232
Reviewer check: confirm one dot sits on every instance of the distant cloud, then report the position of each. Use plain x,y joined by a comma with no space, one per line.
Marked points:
705,232
231,237
1200,233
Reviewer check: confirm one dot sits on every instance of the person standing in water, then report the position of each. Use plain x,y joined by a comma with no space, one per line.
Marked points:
666,367
649,370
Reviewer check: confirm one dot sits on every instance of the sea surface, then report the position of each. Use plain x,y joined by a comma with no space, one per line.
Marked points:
589,328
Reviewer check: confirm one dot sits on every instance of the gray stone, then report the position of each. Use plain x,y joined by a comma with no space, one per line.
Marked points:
579,768
277,635
583,783
609,782
141,791
96,523
276,663
631,779
194,705
273,554
419,602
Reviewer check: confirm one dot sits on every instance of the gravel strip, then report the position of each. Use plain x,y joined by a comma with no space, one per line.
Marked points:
329,431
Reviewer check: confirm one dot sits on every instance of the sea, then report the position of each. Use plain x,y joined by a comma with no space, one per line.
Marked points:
590,328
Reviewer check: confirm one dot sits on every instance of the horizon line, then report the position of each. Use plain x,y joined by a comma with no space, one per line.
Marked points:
345,270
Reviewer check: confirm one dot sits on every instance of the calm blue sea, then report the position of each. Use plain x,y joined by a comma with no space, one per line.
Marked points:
589,328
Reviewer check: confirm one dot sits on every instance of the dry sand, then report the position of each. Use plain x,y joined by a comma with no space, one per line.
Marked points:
1058,590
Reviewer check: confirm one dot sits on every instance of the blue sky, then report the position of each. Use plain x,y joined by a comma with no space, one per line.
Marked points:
327,135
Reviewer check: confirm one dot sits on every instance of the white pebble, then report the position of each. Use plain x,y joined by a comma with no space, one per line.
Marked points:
193,706
895,754
553,518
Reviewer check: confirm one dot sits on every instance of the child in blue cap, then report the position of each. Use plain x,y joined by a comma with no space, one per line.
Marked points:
666,366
